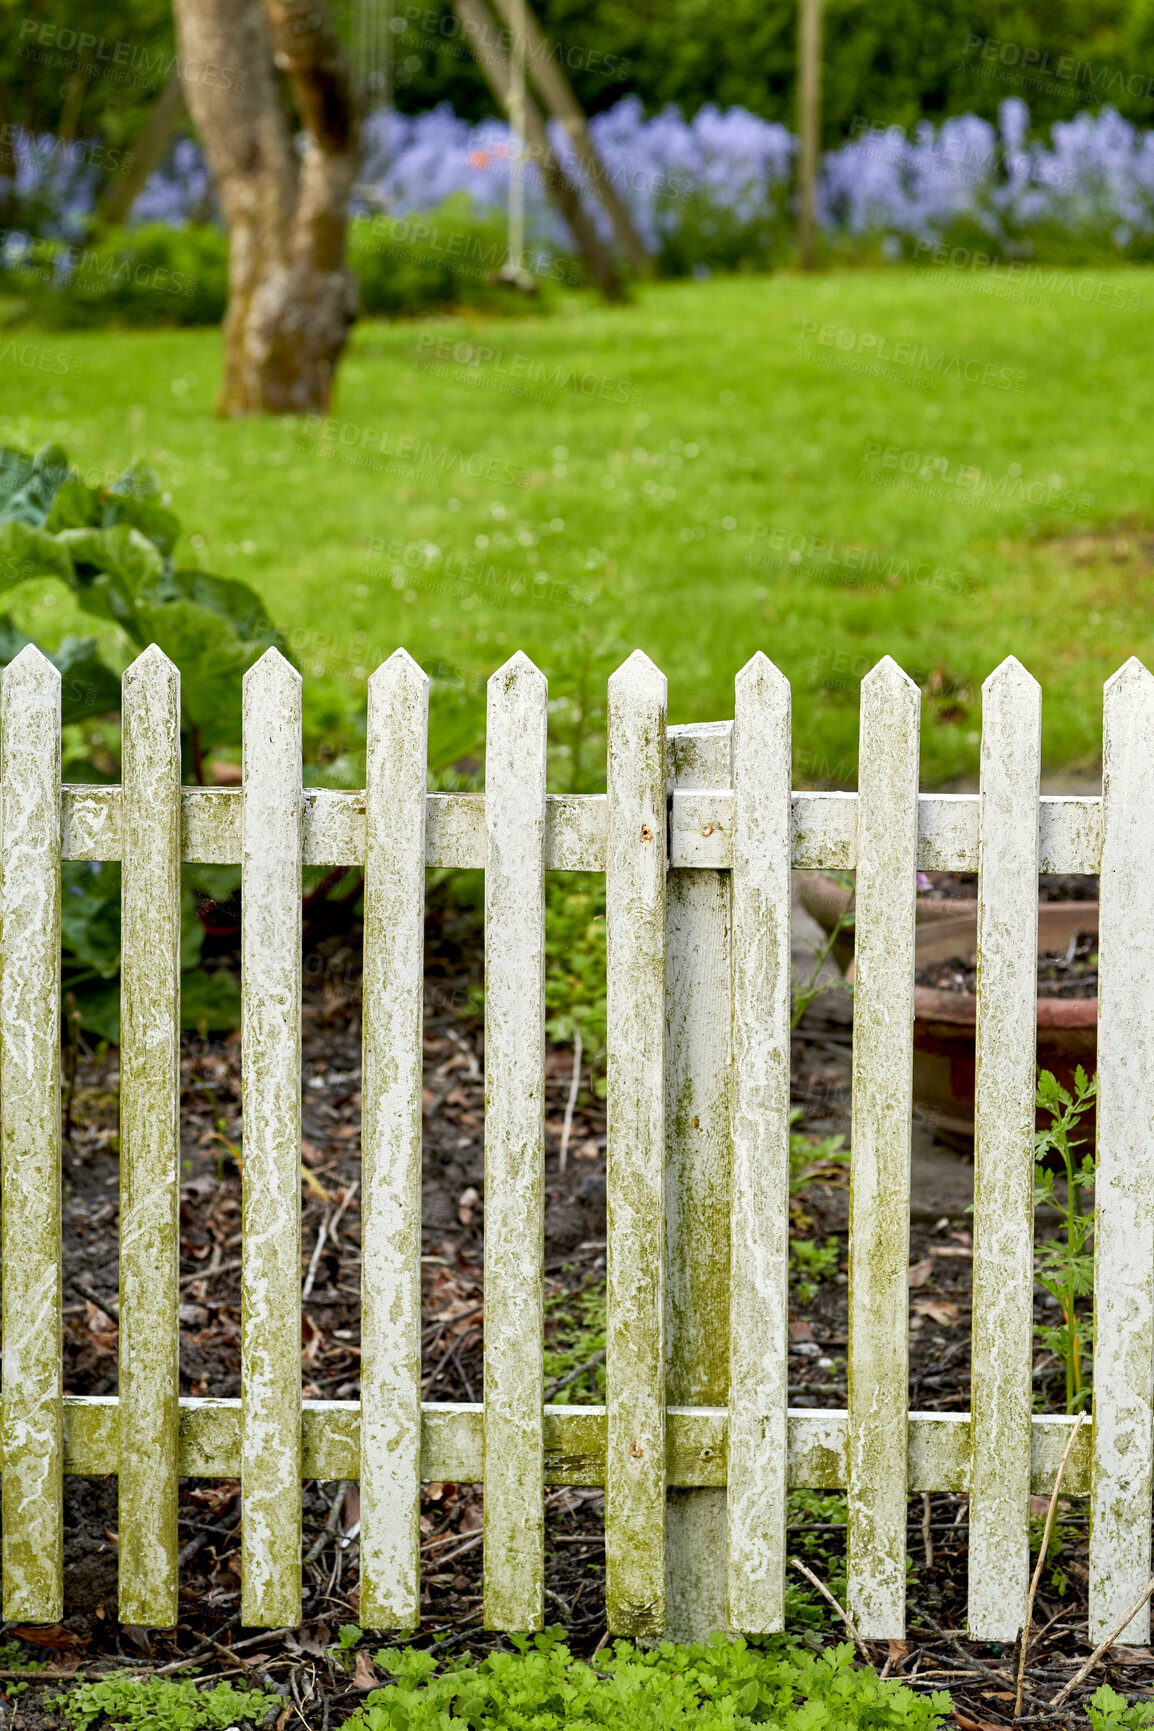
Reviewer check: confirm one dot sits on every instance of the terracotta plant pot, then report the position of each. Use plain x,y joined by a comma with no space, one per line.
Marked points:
944,1023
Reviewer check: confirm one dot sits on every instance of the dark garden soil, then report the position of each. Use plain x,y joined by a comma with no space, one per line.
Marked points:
1052,887
318,1688
1068,973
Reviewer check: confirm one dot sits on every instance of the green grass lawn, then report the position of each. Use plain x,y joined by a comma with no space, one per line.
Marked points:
708,472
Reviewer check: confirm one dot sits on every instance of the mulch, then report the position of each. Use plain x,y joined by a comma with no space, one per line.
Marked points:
320,1688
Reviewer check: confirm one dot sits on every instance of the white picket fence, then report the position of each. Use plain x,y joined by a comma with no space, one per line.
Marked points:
695,1445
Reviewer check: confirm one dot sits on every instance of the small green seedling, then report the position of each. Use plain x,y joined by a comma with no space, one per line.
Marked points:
1065,1265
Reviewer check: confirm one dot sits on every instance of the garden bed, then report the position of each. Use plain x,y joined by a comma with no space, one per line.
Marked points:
321,1679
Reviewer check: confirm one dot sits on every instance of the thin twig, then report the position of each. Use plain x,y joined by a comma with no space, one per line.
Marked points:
314,1260
1108,1641
344,1202
1037,1575
975,1664
109,1306
570,1104
927,1535
330,1525
842,1613
564,1381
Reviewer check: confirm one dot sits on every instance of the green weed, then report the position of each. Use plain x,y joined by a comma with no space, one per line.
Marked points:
162,1704
1065,1265
721,1685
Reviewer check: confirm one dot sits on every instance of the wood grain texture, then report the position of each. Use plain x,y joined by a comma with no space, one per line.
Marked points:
1124,1181
759,1296
881,1125
1003,1315
392,1059
33,1451
149,1143
635,870
515,767
698,1178
271,1197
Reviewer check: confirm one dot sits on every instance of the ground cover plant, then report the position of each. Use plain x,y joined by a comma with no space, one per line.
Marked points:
724,466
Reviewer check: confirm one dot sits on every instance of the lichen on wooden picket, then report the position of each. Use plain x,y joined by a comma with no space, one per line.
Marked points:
697,835
149,1142
33,1443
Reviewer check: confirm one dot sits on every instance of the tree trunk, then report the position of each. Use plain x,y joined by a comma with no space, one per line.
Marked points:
292,297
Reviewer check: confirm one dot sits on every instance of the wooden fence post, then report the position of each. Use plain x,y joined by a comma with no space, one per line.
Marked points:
396,773
1003,1293
32,1493
759,1302
150,1142
515,1147
882,1121
698,1171
635,869
271,1197
1124,1182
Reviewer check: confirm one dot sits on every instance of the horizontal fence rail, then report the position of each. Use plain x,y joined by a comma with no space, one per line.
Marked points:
697,835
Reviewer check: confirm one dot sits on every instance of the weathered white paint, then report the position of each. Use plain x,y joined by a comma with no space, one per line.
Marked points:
759,1286
514,1502
33,1449
880,1151
391,1005
1124,1182
149,1142
665,1423
271,1195
701,829
698,1180
635,870
452,1444
1003,1313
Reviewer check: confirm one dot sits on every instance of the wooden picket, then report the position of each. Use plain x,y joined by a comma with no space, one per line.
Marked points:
695,1445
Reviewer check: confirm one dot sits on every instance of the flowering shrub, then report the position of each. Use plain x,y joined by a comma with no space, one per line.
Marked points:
713,191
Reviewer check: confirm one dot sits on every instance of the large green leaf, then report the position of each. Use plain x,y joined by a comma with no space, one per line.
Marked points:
28,485
87,686
109,567
212,660
27,551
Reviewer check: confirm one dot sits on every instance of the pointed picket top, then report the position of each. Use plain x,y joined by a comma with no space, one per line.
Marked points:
152,670
640,678
518,673
888,676
1133,678
399,673
1010,675
273,672
31,669
760,681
